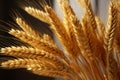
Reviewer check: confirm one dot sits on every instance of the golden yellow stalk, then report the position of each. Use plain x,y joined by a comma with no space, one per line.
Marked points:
39,14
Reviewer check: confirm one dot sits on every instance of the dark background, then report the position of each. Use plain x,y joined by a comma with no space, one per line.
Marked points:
17,74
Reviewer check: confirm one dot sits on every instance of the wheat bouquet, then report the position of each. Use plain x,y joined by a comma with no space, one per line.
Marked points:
90,50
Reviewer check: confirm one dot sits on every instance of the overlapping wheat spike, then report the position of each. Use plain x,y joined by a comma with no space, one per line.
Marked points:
90,50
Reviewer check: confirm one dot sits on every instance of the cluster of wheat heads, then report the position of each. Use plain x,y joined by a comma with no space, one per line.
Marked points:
90,50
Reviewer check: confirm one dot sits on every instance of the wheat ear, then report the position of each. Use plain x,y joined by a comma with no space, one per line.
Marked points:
27,52
117,33
17,63
24,63
112,66
27,28
38,14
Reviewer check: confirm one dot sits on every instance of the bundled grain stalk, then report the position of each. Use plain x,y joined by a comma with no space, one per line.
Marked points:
90,50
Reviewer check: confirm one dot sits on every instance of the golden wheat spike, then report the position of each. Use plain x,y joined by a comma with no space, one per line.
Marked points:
40,44
112,66
24,63
70,19
67,13
90,29
88,13
117,33
27,52
83,42
17,63
39,14
27,28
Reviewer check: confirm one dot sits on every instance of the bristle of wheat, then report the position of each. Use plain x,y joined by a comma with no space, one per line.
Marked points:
38,14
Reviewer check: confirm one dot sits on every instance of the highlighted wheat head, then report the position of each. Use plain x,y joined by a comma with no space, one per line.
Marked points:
90,50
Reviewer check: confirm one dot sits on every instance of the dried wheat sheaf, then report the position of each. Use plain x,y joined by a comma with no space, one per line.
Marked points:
90,50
